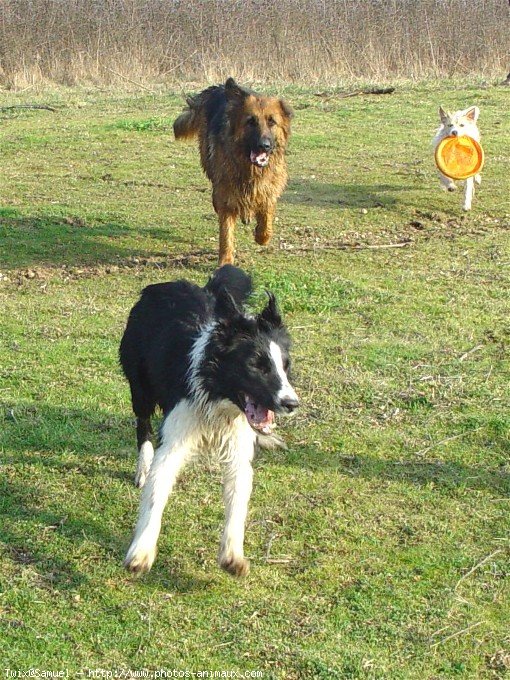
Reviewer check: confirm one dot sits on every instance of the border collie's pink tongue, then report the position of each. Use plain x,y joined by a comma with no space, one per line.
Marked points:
259,417
261,159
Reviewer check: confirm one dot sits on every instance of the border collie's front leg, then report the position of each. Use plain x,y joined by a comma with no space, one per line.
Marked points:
177,446
145,450
237,485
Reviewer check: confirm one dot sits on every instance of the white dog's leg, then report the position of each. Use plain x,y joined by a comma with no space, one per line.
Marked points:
446,183
237,485
478,179
469,191
178,438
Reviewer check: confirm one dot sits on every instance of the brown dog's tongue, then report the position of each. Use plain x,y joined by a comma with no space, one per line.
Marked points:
260,159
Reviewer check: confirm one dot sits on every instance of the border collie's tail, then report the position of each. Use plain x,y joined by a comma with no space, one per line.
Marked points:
233,280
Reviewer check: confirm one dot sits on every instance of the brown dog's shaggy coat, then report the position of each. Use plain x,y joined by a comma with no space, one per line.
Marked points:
242,139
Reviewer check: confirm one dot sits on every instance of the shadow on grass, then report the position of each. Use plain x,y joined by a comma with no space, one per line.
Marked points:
346,196
58,240
34,536
42,434
42,539
92,455
43,448
442,475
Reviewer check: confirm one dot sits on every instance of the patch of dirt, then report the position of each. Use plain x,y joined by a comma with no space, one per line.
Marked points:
66,272
20,555
423,227
108,177
499,662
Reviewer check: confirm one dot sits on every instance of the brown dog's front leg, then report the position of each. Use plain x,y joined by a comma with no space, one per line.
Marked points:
227,226
264,228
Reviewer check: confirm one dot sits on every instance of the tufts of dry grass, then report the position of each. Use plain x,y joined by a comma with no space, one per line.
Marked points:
301,41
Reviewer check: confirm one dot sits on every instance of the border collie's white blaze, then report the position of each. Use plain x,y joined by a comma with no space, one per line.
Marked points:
286,393
219,376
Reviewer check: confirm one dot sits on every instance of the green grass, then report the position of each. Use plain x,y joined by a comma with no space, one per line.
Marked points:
380,539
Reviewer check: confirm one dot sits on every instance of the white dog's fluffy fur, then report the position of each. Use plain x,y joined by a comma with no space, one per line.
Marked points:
457,124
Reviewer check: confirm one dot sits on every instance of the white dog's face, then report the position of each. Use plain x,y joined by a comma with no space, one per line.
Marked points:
460,122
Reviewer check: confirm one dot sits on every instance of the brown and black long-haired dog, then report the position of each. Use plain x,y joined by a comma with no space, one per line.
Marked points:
242,138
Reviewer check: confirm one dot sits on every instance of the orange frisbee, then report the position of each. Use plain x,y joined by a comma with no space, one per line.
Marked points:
459,157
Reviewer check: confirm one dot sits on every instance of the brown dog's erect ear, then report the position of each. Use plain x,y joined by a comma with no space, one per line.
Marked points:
270,315
286,109
443,115
233,90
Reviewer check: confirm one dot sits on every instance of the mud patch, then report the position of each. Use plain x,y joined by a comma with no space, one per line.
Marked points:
424,226
137,265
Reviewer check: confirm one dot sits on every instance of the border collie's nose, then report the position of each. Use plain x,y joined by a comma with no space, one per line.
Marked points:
455,133
289,403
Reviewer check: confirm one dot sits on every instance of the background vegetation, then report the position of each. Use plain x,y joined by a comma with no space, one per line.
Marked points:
297,41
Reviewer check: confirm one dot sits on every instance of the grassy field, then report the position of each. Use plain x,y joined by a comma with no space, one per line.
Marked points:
379,540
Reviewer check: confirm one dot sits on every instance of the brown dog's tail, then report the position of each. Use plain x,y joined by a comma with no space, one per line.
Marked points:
186,126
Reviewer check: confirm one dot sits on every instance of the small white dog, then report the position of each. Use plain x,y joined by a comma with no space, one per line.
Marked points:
457,124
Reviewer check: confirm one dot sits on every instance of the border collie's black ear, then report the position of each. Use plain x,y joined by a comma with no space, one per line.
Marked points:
225,307
270,315
233,90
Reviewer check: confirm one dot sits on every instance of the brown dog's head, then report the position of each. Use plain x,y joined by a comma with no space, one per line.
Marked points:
260,125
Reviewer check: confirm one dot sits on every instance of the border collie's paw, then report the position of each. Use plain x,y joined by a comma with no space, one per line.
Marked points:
139,561
270,441
236,566
140,477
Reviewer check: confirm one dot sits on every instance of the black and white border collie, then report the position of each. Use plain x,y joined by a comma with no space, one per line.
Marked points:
219,375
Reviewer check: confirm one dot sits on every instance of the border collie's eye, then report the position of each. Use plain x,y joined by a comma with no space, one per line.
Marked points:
271,121
286,365
251,120
461,125
263,365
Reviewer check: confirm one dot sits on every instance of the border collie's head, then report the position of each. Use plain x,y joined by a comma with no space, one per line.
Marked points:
246,360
